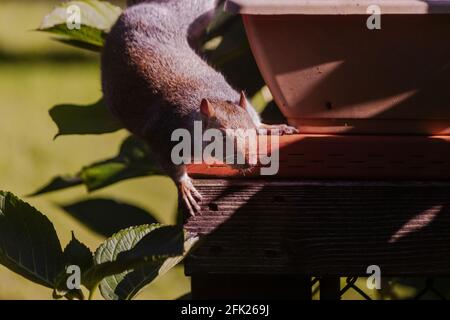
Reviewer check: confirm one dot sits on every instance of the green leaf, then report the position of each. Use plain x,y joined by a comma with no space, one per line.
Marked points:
61,291
90,119
77,253
97,14
135,281
116,256
79,44
96,17
132,251
93,37
162,241
58,183
134,160
261,99
29,244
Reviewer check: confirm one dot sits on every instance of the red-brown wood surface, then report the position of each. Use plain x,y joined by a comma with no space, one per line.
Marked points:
321,227
352,157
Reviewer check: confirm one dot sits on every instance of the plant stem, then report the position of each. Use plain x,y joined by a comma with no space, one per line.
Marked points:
91,293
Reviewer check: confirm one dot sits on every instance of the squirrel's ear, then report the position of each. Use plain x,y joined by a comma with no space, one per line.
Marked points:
206,108
243,100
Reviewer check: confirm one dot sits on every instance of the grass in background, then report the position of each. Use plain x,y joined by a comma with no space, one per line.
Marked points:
36,74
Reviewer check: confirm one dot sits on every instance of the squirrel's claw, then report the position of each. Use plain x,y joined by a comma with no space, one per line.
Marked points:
277,129
189,196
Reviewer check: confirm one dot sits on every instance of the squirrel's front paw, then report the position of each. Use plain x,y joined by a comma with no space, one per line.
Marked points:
277,129
189,196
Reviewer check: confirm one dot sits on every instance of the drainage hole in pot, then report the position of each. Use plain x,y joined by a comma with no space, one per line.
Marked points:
328,105
278,198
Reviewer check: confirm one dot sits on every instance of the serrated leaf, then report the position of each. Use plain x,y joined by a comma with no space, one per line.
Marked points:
135,281
29,244
134,160
58,183
76,119
162,241
120,254
96,19
94,13
61,291
109,259
79,44
77,253
85,34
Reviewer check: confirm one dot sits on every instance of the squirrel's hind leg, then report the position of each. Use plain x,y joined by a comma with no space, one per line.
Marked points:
188,196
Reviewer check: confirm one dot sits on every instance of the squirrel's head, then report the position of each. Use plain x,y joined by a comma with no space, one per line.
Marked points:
223,115
234,122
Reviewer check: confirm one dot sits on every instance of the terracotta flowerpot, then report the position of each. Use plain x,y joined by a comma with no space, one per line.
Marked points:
329,73
371,104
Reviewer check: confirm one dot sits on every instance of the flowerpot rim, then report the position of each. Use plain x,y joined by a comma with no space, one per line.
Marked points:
337,7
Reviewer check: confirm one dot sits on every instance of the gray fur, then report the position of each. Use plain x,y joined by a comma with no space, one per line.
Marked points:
149,67
154,82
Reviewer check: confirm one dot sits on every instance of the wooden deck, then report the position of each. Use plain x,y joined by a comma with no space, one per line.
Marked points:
338,205
322,228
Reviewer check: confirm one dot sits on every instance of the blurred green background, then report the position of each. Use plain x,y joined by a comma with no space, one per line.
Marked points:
36,74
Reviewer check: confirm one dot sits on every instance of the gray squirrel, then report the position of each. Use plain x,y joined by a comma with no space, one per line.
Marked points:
154,82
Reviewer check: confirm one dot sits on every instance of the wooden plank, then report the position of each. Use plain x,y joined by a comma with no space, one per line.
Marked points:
351,157
324,228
